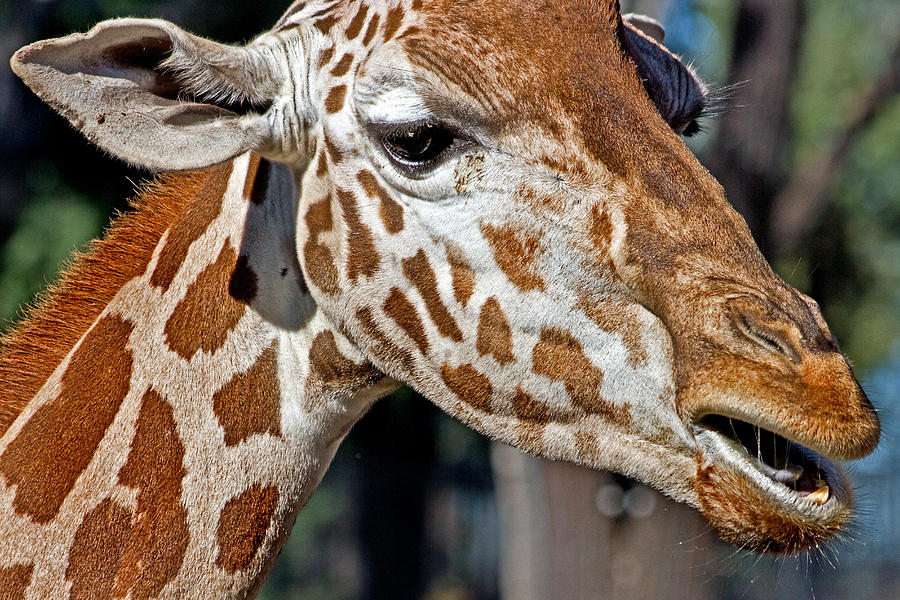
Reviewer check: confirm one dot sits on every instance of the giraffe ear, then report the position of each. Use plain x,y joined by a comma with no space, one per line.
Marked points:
153,95
679,95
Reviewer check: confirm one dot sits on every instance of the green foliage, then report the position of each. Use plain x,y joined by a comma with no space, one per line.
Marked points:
49,229
850,264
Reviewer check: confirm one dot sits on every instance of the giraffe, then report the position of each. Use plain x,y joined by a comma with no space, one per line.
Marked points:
487,200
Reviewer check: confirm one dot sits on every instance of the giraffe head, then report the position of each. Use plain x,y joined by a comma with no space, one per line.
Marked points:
497,208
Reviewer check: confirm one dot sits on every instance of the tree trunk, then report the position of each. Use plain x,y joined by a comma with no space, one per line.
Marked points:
574,533
750,156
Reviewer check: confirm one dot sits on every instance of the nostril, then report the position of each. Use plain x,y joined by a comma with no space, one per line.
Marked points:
766,336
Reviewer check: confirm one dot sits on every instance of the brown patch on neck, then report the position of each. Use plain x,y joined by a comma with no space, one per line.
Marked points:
329,369
398,307
243,525
251,402
418,270
462,275
357,22
516,254
208,312
494,334
159,539
362,257
319,261
97,552
116,553
34,348
469,385
56,445
334,153
343,65
382,347
191,224
325,57
14,580
527,409
334,102
326,23
616,317
371,30
393,21
560,356
391,211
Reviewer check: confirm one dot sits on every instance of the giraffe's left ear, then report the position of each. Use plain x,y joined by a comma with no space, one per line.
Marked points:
154,95
679,95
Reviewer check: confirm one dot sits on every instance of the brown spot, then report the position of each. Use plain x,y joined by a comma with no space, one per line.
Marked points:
494,334
617,317
516,254
14,580
318,258
419,272
155,547
329,369
462,274
362,257
325,57
97,552
251,402
401,310
393,21
530,437
243,283
356,24
243,525
326,23
191,224
600,229
382,346
260,183
417,4
587,448
469,385
343,66
527,409
391,211
322,166
56,445
371,29
560,356
335,100
334,152
208,312
116,553
252,168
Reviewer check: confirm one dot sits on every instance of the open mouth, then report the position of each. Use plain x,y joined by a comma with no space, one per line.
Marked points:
800,473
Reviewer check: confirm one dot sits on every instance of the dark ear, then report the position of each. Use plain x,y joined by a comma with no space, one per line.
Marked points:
151,93
677,92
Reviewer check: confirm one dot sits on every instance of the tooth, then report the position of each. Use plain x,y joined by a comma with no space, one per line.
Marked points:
821,495
788,475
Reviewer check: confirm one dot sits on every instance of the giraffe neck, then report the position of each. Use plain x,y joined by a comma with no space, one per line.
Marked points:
178,392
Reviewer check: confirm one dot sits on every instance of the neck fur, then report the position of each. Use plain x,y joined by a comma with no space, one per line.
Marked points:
177,390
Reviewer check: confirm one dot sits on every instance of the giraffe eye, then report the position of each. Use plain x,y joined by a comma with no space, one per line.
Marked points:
417,145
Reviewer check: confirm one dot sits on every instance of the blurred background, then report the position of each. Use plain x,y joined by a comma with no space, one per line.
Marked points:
416,505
